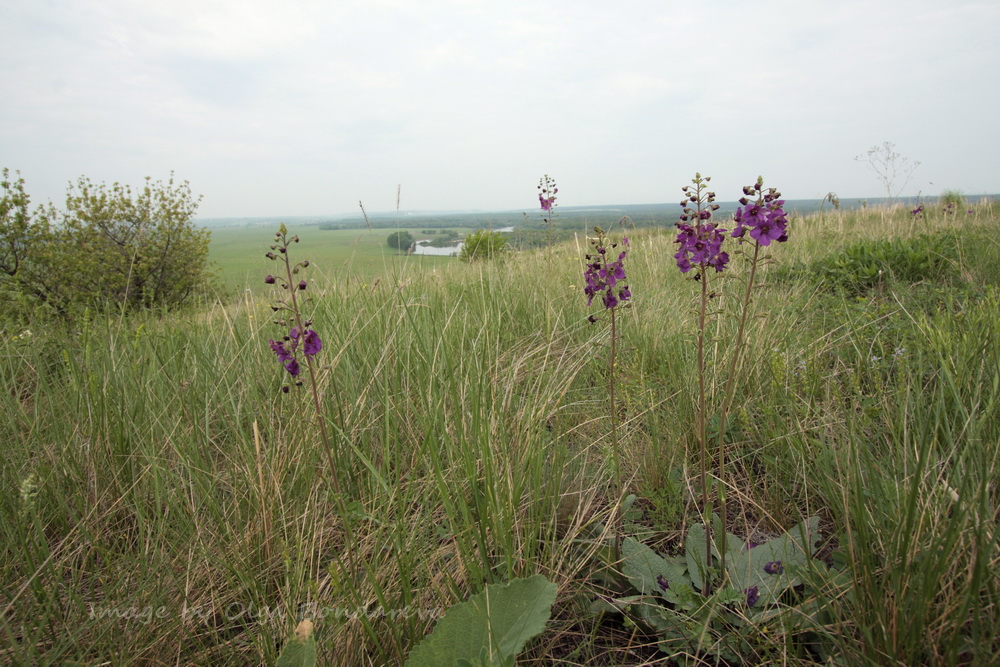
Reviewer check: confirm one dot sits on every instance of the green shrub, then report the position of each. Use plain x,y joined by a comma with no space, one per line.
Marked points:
400,241
111,245
483,245
864,265
952,200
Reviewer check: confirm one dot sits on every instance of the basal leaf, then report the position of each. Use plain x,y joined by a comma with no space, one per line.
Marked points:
500,620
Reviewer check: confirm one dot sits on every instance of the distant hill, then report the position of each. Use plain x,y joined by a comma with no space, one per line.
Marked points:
642,215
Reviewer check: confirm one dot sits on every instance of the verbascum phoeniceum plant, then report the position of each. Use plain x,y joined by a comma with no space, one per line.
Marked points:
297,349
547,199
701,254
299,342
606,282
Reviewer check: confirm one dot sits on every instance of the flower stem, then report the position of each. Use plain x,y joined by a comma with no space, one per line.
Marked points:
730,389
618,518
701,428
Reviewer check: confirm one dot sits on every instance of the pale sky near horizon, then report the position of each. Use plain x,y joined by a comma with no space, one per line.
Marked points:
305,108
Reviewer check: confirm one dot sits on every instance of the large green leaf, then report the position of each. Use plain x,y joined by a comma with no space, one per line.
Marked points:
644,567
490,627
300,651
792,549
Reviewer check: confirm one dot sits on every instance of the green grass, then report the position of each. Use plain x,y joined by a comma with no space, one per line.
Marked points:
166,502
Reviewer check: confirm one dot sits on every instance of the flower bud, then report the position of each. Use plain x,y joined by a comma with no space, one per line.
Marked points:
269,279
302,284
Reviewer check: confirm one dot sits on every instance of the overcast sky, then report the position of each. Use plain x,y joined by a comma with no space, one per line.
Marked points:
303,108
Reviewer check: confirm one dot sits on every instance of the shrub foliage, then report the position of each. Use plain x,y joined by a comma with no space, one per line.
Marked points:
108,245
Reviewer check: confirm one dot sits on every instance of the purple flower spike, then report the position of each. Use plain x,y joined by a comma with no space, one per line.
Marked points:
701,245
312,344
603,276
774,567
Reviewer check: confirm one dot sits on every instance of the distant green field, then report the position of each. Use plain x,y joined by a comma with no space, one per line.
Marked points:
238,254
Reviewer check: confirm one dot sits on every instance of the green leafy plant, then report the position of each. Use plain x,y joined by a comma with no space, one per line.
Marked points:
400,241
490,628
300,651
865,264
111,244
672,597
952,202
483,244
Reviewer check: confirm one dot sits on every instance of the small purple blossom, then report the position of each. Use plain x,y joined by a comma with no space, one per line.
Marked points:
662,582
311,343
280,350
292,366
753,595
774,567
918,210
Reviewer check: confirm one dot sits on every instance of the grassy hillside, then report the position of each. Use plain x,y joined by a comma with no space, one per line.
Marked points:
167,503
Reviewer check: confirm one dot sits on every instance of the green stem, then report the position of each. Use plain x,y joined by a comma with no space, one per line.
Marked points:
702,440
614,435
730,391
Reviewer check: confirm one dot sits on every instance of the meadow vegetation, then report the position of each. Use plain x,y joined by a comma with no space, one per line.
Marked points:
167,503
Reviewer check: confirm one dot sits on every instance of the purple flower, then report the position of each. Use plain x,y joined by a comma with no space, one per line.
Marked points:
311,343
302,284
765,217
280,350
701,245
753,595
662,582
269,279
918,210
292,366
774,567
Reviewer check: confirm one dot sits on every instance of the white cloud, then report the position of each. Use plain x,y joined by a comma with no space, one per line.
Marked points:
467,103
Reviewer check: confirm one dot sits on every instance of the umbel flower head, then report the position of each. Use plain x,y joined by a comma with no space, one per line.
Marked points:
605,273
